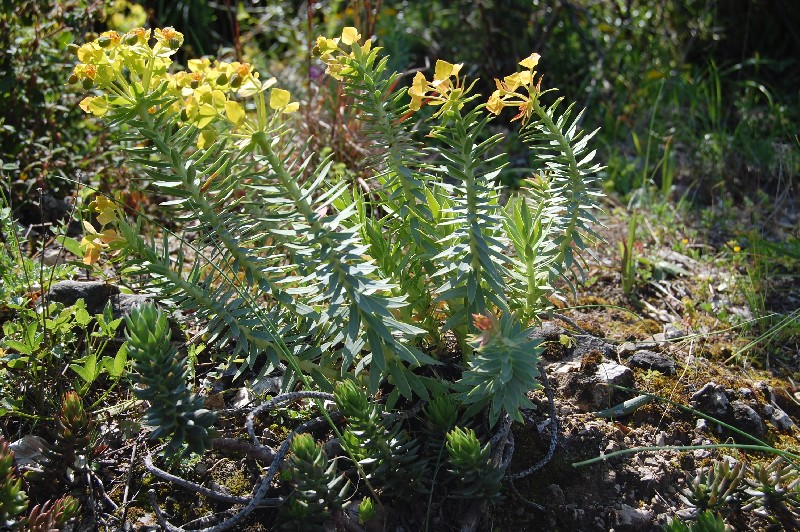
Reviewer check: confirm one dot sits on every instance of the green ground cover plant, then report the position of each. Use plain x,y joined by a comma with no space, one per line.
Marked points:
380,238
294,268
350,303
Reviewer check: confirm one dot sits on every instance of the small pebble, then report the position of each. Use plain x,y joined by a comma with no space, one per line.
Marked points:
671,332
612,447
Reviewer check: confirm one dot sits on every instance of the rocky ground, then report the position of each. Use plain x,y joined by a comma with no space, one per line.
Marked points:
625,372
664,346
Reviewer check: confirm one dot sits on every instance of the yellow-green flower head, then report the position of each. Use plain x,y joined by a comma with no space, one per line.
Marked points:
199,65
109,40
325,46
510,89
446,89
169,38
91,53
335,57
126,68
137,37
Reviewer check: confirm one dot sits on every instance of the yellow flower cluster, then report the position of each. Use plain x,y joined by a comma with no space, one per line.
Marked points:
507,94
446,88
126,68
337,59
93,240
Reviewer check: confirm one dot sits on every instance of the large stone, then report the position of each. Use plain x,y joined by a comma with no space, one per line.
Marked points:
652,361
548,331
781,420
585,345
589,387
673,333
96,294
712,401
746,419
551,335
630,518
613,373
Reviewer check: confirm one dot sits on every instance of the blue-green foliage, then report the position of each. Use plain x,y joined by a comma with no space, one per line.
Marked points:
176,413
294,265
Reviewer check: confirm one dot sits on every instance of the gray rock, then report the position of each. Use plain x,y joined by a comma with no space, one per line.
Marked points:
548,331
94,293
746,393
712,401
241,399
268,385
590,344
652,360
613,373
671,332
124,303
555,495
30,451
780,419
97,294
588,387
626,349
746,419
630,518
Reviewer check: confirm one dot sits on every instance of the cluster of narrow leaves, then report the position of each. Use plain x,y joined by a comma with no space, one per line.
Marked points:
770,491
301,271
51,515
173,410
420,460
318,487
13,500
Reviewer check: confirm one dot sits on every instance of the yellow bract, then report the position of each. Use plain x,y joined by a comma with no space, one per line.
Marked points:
107,209
91,251
350,35
531,61
98,106
279,101
235,112
495,104
93,241
198,65
325,46
444,70
417,91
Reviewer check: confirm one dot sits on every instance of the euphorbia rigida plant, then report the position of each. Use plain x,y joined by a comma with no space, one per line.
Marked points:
304,272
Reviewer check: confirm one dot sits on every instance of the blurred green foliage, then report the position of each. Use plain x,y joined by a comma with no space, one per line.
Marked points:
716,79
42,134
